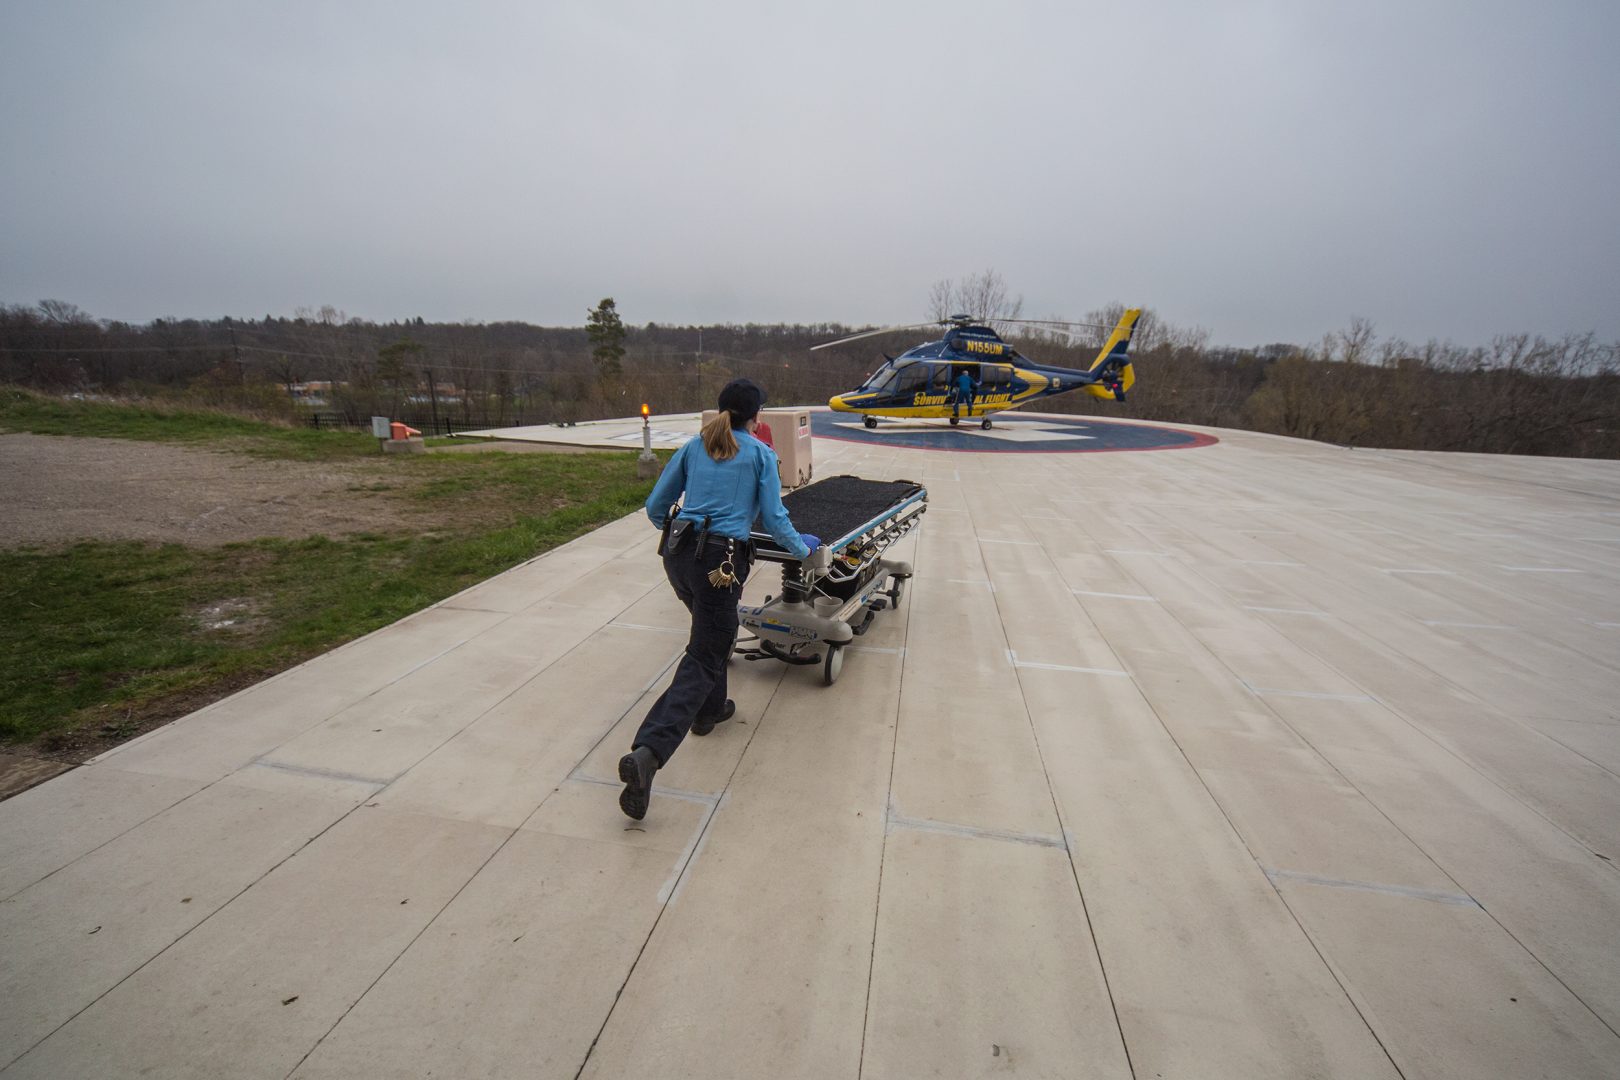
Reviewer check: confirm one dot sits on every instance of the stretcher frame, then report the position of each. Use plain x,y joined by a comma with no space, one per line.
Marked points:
809,622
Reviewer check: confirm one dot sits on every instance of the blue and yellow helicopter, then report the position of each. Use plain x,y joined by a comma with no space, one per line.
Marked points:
924,382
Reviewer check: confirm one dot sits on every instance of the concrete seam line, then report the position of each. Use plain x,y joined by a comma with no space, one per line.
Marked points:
972,832
1437,896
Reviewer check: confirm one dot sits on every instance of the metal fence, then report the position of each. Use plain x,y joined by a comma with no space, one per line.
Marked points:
444,425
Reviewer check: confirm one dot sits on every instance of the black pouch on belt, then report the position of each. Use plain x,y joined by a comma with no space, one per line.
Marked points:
677,533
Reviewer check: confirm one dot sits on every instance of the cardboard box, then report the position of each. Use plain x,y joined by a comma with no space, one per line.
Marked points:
790,436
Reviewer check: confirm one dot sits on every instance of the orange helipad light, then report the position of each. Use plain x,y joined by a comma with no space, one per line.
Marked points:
644,410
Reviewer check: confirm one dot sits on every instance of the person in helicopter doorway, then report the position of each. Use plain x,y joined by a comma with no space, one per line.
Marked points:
964,393
730,480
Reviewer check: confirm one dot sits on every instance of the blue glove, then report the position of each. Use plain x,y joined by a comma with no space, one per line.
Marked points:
811,541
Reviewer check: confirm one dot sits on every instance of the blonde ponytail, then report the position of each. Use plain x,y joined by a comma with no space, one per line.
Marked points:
718,439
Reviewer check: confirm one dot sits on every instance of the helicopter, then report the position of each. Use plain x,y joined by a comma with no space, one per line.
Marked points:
921,382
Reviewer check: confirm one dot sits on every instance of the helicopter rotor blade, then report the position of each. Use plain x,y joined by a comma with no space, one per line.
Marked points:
871,333
1072,335
1057,322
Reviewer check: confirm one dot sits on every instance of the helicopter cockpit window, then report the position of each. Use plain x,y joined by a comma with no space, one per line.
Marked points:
879,380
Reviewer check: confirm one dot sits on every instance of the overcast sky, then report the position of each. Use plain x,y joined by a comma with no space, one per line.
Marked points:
1266,170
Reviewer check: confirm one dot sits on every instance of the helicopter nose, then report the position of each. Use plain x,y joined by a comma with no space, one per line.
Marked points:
837,403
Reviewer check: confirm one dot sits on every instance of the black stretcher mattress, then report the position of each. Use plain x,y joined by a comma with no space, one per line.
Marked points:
834,508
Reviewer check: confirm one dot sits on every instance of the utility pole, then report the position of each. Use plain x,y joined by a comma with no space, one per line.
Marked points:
433,398
236,353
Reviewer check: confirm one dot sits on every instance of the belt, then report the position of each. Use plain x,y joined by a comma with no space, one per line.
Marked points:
744,548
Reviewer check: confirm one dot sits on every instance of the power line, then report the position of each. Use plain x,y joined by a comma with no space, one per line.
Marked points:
451,364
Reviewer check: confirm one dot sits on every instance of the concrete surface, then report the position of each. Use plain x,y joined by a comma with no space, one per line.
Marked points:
1260,759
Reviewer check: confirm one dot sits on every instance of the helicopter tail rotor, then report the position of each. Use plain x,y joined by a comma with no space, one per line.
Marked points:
1116,349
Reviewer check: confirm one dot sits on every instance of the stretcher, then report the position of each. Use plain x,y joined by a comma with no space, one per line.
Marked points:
831,598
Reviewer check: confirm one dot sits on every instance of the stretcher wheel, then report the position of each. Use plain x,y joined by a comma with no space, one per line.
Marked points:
897,589
870,421
833,664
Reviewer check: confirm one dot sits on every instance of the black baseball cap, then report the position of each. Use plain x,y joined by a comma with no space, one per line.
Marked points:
742,399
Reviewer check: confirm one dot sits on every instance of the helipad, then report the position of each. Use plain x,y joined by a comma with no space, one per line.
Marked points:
1011,432
1270,759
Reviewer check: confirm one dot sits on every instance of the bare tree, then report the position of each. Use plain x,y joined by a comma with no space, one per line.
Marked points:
63,313
1356,343
983,296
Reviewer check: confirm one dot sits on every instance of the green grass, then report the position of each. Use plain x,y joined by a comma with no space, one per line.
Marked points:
104,639
24,410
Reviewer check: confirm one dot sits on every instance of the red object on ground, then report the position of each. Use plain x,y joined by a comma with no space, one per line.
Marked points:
762,432
397,430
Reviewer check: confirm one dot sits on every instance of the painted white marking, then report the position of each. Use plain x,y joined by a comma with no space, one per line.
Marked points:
973,581
1286,611
1434,895
1012,658
1115,595
1542,570
1467,625
644,626
1397,570
660,438
1266,691
876,649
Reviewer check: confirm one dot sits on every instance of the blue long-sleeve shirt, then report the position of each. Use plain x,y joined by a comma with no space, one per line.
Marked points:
731,494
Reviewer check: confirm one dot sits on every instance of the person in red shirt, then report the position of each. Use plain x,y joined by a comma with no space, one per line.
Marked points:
762,432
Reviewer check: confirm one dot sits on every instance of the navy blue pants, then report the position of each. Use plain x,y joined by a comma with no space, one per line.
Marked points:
699,688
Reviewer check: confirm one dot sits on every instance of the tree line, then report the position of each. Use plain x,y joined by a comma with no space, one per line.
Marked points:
1518,394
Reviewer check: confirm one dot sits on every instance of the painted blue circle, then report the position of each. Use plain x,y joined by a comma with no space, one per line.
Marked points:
1009,434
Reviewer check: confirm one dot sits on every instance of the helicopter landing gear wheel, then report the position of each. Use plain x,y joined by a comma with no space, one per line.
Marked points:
833,664
869,421
985,423
955,420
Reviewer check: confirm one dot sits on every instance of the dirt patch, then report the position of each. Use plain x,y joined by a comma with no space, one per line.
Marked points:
63,488
18,772
119,725
237,615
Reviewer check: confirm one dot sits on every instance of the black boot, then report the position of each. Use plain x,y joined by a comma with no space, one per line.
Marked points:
636,770
705,724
